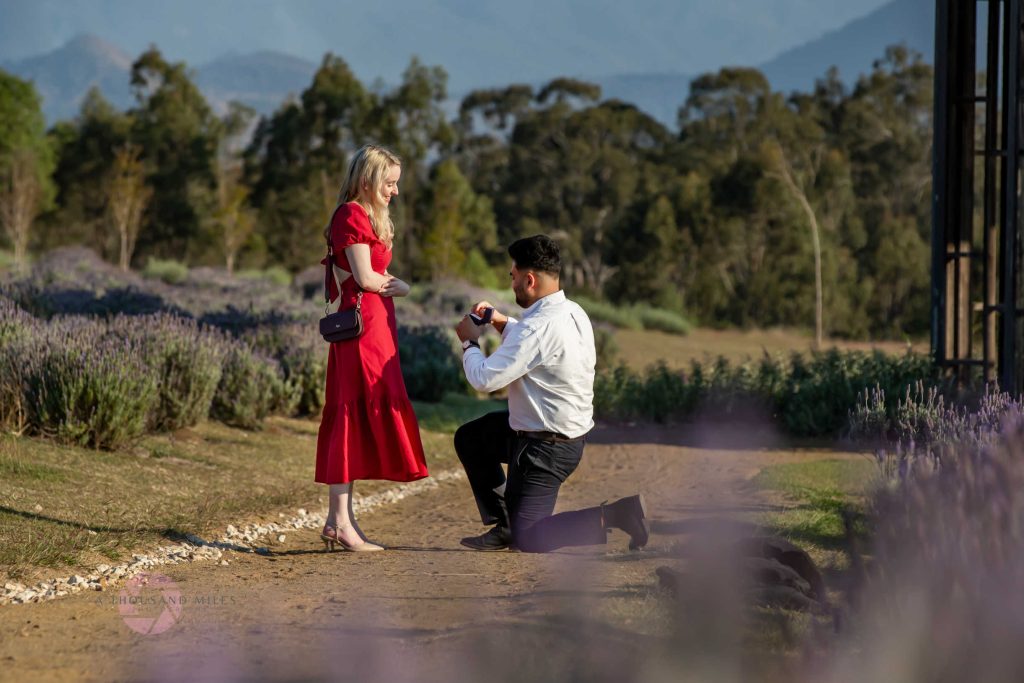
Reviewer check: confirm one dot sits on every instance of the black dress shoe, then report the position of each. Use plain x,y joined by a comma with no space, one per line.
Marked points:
495,538
630,515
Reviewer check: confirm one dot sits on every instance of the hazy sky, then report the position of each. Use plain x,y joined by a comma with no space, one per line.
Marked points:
477,41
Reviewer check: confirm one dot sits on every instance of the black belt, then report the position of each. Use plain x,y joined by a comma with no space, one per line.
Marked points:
547,436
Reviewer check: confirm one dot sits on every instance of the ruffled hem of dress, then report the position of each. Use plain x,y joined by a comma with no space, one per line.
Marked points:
377,476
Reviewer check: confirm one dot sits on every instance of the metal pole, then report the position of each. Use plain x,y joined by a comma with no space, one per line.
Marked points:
1010,219
940,182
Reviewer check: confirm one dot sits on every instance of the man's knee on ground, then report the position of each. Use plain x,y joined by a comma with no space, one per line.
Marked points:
528,540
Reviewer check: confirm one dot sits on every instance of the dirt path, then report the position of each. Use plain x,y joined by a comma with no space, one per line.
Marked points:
426,610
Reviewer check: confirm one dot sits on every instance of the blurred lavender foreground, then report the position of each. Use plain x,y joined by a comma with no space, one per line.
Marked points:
942,598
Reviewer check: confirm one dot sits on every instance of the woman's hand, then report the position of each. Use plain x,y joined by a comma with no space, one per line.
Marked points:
394,287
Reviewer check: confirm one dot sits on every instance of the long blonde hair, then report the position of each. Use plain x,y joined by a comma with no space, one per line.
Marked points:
368,168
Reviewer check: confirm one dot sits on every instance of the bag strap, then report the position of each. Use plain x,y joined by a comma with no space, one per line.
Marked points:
329,271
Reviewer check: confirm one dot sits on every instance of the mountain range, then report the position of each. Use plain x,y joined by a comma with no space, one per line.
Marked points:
263,78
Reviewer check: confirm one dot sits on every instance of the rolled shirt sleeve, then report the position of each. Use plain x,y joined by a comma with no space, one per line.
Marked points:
518,354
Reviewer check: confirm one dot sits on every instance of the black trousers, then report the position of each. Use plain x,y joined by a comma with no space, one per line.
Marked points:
523,501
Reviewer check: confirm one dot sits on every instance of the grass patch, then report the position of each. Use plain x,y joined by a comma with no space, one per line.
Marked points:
453,411
64,507
834,478
15,468
820,493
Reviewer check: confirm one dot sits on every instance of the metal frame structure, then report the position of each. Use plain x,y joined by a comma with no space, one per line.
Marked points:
976,182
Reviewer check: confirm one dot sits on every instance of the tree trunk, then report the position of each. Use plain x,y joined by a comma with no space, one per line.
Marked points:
19,202
801,197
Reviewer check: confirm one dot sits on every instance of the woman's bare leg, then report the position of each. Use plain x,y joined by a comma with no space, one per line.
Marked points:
341,517
339,507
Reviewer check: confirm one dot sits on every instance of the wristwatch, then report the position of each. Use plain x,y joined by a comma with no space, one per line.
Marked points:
469,342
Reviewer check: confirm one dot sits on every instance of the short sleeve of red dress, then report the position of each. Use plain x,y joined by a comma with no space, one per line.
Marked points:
349,226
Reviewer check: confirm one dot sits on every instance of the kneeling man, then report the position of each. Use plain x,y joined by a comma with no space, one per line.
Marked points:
546,359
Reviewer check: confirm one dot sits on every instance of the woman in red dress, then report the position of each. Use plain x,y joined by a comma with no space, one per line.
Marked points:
368,429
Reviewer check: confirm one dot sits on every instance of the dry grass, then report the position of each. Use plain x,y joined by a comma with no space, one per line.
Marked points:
63,507
638,348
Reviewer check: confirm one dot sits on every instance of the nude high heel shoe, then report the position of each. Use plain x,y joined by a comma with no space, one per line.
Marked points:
330,539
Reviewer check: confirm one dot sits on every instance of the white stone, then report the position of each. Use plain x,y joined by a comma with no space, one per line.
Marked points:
280,538
39,508
232,530
75,580
302,512
103,568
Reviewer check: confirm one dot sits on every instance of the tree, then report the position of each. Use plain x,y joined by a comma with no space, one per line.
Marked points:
645,255
235,219
84,150
885,128
179,136
411,121
128,196
296,160
19,201
459,223
26,162
573,173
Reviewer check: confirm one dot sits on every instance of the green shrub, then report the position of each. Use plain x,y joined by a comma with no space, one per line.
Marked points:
250,387
275,275
811,396
635,317
431,362
663,320
604,312
85,387
605,346
172,272
478,272
6,260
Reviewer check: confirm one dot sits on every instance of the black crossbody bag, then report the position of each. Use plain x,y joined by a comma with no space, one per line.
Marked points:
345,324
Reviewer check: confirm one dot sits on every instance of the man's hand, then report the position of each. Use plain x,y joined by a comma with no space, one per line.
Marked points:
467,329
497,319
394,287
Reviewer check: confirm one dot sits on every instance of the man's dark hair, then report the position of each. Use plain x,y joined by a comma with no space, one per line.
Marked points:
539,253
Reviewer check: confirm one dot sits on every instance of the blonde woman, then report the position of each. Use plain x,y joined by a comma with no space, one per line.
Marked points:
368,429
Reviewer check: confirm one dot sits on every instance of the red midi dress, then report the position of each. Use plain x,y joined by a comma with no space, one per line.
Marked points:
368,429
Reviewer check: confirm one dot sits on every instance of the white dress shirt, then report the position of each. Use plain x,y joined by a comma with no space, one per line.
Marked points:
546,359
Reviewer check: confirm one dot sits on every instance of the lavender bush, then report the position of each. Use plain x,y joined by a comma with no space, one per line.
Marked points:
431,366
301,353
185,360
17,331
943,598
924,428
84,386
250,387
